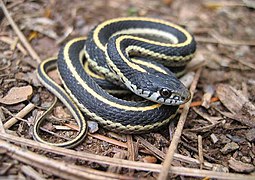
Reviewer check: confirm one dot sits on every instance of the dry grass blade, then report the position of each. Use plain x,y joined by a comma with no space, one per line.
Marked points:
200,151
170,153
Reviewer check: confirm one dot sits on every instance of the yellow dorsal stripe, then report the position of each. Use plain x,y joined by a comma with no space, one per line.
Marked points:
179,28
91,91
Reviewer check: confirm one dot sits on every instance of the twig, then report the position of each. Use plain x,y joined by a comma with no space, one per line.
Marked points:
20,114
132,152
61,169
186,145
21,36
112,141
155,151
170,153
10,41
29,171
54,134
121,162
241,61
199,103
200,151
2,118
161,155
131,149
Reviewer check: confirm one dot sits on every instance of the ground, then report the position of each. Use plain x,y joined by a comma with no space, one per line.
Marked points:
219,130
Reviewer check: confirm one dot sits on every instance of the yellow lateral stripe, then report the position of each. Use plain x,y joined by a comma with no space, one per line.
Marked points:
129,63
54,90
91,91
150,65
126,60
179,28
90,73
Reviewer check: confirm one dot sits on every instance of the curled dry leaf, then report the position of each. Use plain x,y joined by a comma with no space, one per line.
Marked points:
17,94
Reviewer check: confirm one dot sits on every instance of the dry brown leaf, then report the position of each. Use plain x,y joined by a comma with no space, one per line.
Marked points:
233,99
237,103
17,94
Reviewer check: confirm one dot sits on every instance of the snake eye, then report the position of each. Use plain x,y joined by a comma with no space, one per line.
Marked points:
166,93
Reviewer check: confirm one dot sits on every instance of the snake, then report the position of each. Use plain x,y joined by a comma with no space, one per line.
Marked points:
139,53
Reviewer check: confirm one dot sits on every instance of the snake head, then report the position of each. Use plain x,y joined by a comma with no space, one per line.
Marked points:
161,88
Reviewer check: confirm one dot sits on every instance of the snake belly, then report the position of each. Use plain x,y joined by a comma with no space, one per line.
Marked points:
115,114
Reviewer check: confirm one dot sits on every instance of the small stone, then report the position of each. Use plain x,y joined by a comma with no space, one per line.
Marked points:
250,135
229,147
93,126
214,138
239,166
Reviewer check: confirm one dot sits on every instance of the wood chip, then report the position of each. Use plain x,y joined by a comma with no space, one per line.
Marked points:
206,100
229,147
214,138
17,95
239,166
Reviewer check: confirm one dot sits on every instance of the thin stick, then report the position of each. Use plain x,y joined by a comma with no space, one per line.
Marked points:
61,169
170,153
2,130
131,148
200,151
20,114
121,162
10,41
29,171
21,36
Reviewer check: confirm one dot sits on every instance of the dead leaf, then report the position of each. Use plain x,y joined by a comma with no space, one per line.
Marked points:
233,99
237,103
17,94
29,77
